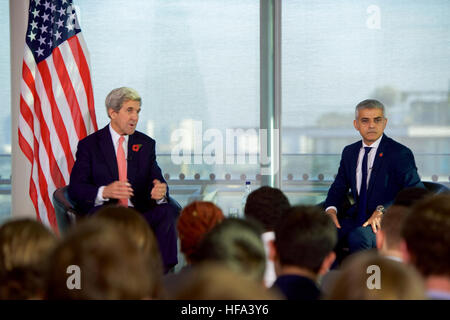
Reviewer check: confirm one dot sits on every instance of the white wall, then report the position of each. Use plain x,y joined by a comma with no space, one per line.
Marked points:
21,204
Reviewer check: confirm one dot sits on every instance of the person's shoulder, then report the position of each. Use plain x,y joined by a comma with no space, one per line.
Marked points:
392,144
353,146
142,137
92,137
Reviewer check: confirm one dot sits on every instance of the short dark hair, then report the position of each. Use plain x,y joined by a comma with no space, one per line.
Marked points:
426,232
266,205
408,196
304,237
237,243
391,225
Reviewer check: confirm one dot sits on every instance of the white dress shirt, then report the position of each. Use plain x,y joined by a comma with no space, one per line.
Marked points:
370,160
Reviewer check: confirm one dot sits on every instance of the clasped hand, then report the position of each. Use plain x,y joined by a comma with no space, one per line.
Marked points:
118,190
159,190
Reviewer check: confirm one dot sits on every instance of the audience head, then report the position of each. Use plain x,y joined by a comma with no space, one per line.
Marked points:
267,206
408,196
212,281
195,220
236,243
305,238
108,263
389,237
368,276
25,245
427,237
136,227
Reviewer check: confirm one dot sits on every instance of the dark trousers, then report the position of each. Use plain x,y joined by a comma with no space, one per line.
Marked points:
162,219
352,237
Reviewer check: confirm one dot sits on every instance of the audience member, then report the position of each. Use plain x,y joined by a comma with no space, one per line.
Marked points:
237,244
195,220
427,243
25,245
389,238
133,224
408,196
97,261
369,276
304,242
267,205
212,281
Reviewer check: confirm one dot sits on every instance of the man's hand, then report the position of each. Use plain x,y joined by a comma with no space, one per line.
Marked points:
374,221
159,190
118,190
333,215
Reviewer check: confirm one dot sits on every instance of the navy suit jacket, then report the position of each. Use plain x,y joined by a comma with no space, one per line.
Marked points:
393,169
96,166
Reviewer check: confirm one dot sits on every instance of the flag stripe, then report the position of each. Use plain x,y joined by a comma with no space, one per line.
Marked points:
69,92
44,132
75,78
56,115
46,205
25,146
75,44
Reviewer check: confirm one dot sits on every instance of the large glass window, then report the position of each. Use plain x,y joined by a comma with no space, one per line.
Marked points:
5,113
338,53
196,65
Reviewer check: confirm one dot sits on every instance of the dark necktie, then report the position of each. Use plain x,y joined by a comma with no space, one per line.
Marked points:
362,202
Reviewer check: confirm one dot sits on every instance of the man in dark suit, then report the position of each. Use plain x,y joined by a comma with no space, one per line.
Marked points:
117,165
375,170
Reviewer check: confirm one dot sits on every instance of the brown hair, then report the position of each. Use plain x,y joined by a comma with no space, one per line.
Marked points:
25,245
398,281
426,232
136,227
110,265
212,281
391,225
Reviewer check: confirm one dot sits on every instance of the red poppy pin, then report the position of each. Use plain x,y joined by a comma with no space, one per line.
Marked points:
136,147
381,154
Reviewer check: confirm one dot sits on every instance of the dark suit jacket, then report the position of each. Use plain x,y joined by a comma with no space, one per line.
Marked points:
295,287
96,166
393,169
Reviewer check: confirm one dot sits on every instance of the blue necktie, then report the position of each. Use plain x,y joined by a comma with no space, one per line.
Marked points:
362,202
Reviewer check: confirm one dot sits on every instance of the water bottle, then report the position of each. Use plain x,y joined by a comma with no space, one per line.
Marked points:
247,191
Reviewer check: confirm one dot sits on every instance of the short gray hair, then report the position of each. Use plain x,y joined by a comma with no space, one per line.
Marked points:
118,96
369,104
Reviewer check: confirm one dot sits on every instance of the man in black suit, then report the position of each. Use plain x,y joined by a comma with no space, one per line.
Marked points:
117,165
375,170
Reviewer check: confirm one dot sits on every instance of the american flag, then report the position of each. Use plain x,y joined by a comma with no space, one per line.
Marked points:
56,99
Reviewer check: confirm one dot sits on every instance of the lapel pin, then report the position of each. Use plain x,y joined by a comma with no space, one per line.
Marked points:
136,147
381,154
